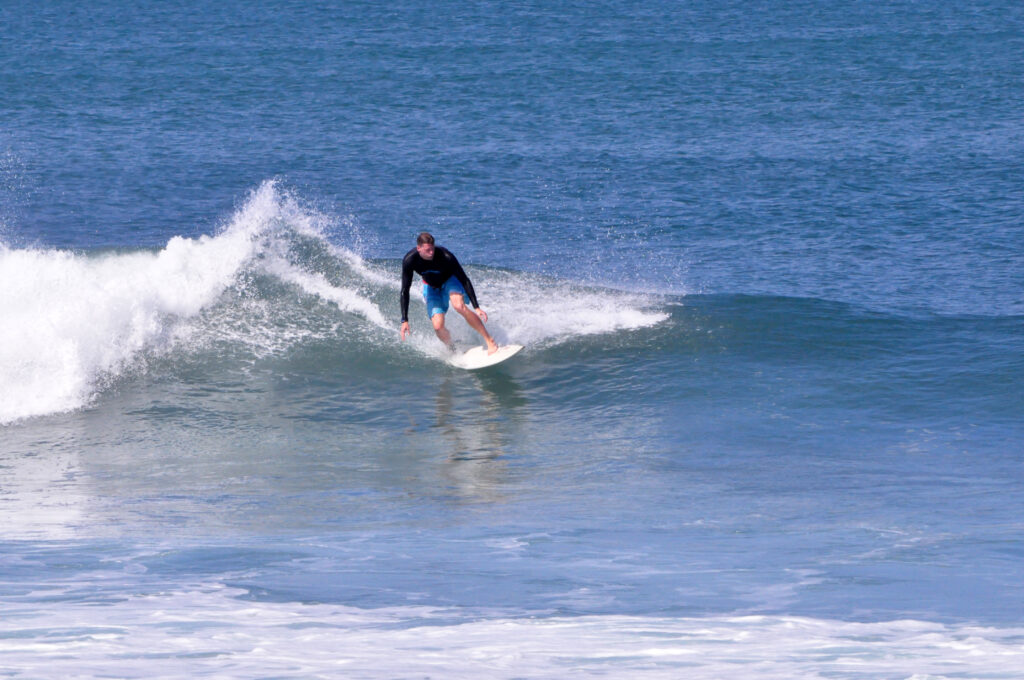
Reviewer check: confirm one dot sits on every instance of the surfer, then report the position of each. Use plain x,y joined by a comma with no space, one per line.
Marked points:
443,280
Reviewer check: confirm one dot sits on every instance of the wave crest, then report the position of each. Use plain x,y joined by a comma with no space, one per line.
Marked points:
72,322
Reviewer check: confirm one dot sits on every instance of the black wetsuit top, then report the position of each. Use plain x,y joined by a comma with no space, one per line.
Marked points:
435,272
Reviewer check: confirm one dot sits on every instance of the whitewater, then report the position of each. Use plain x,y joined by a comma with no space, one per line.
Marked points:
206,634
75,323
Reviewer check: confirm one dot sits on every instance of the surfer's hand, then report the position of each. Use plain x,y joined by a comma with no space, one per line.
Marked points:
405,329
482,314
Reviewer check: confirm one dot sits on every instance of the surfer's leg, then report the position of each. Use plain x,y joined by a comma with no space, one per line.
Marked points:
442,332
459,305
437,306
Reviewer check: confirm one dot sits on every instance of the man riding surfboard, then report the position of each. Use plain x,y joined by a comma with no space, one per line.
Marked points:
444,282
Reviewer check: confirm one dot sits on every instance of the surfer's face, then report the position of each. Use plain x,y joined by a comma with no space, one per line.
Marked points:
426,250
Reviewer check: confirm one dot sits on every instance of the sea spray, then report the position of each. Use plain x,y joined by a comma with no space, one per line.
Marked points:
75,322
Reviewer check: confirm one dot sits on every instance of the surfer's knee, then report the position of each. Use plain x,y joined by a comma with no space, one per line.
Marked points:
458,304
438,321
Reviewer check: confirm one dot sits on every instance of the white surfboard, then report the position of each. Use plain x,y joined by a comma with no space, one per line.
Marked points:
477,357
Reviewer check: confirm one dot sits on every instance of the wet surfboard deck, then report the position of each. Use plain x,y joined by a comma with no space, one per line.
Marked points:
477,357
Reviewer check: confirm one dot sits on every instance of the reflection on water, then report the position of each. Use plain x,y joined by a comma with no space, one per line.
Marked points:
477,424
40,490
263,458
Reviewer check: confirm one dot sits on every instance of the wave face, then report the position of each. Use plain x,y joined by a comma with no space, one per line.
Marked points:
281,280
76,323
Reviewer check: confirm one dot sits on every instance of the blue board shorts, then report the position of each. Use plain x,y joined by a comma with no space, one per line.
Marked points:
437,298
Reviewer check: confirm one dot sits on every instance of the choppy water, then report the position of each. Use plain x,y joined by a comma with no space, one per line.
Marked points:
766,261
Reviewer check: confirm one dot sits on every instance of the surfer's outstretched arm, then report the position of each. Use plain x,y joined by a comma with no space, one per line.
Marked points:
404,296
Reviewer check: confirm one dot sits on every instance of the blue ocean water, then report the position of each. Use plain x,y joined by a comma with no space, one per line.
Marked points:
767,260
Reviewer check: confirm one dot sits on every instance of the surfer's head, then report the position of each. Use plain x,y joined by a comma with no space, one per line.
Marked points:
425,245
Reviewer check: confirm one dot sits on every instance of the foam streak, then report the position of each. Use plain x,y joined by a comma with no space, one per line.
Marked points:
210,633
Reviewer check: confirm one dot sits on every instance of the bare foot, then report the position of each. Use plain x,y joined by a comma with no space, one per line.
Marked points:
492,347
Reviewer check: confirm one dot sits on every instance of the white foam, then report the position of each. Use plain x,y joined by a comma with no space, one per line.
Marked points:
210,632
532,311
365,271
70,322
346,299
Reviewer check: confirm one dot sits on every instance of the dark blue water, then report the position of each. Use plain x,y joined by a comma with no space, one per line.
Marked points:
767,261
